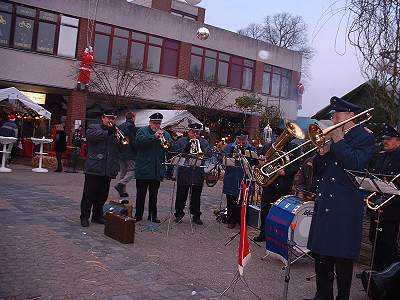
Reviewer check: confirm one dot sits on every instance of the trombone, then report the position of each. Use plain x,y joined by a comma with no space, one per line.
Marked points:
318,139
371,205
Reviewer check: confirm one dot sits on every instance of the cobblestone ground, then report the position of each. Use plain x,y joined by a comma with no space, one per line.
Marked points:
46,254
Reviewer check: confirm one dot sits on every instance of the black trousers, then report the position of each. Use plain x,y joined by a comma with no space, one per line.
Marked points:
95,194
386,244
268,197
325,267
233,209
142,185
59,163
182,192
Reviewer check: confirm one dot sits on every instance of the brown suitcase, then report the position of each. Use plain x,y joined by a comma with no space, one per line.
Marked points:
120,228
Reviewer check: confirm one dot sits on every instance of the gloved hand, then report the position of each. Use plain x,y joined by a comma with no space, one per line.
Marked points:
111,130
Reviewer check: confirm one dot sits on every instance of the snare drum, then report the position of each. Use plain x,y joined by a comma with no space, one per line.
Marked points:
285,211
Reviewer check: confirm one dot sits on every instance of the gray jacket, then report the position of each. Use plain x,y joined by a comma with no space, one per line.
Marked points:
102,157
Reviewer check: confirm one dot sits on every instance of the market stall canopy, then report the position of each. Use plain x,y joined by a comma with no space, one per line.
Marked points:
177,119
15,100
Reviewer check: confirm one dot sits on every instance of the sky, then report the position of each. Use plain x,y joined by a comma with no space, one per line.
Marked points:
334,69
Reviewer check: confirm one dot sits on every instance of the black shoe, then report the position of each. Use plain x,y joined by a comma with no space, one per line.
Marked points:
99,221
84,222
120,189
197,221
231,225
138,219
259,239
178,220
58,171
125,195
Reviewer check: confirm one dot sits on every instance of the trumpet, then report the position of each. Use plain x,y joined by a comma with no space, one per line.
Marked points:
122,139
164,143
317,138
373,206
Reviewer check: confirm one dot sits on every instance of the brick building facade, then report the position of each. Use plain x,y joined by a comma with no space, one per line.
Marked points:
42,40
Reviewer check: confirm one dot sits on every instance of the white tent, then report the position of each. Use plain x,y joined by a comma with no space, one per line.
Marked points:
12,97
177,119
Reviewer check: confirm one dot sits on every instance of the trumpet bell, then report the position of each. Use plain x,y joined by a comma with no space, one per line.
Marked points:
316,135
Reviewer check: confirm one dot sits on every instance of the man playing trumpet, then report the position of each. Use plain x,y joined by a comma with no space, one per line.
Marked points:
101,166
152,143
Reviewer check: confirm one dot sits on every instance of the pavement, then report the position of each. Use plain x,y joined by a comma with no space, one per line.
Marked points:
46,254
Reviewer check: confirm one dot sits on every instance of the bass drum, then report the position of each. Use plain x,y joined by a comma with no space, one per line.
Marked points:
284,212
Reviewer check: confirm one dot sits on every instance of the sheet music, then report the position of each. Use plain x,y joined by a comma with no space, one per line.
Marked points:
377,186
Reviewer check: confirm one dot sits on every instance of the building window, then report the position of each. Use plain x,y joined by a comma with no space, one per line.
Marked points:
36,29
184,15
24,27
68,36
276,81
5,26
224,69
141,51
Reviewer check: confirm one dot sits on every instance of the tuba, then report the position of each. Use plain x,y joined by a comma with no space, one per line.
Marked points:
261,174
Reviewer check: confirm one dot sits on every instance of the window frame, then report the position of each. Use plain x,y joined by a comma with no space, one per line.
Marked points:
230,63
282,72
36,23
147,44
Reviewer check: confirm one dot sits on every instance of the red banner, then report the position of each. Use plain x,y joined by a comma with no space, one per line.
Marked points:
244,249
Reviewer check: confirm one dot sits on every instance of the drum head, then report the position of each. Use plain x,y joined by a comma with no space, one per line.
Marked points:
303,220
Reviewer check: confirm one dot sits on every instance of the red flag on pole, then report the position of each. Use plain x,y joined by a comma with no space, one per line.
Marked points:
244,250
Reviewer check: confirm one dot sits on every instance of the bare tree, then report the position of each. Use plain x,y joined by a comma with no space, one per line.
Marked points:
286,31
373,28
202,97
270,115
120,82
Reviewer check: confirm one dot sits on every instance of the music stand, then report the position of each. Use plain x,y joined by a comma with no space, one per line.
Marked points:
372,183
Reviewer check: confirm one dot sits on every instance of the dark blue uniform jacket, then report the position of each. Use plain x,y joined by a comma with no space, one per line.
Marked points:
337,220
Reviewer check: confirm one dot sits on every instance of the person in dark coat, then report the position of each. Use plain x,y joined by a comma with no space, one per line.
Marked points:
60,144
9,129
127,158
282,185
149,168
101,165
190,178
234,175
387,163
336,226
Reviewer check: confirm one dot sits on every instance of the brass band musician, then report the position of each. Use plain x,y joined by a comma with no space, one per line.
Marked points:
191,178
388,163
152,142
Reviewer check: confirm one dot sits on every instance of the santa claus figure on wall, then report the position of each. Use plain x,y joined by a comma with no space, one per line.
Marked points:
86,68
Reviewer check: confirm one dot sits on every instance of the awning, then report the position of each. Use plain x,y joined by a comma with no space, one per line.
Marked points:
12,97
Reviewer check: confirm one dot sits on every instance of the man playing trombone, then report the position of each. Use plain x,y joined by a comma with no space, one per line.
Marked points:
191,177
152,142
335,233
101,166
386,163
